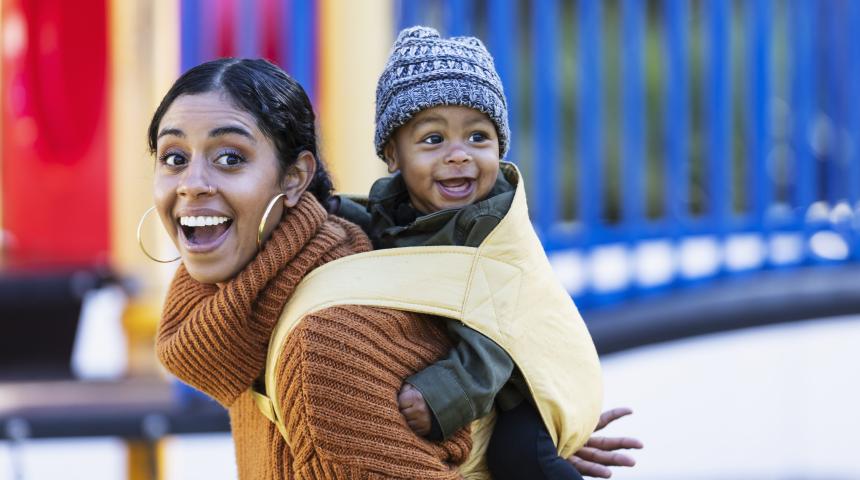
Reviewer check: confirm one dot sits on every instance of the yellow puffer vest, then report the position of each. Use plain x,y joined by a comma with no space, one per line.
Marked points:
504,289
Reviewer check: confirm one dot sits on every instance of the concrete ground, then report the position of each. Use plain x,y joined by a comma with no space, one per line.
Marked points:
777,402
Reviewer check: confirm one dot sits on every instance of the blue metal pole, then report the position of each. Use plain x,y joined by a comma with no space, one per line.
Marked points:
302,44
760,187
247,24
209,30
829,46
457,16
718,98
677,18
545,45
189,21
853,119
590,113
409,13
285,35
803,101
502,38
633,136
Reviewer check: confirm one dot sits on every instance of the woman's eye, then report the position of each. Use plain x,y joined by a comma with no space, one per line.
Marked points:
173,160
432,139
477,137
229,160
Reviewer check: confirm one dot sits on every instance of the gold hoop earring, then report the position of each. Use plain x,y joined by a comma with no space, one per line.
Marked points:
140,240
266,217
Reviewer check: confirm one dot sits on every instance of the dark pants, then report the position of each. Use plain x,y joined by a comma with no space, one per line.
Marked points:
522,449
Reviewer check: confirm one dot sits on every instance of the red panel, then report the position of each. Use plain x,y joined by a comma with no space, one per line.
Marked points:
225,11
55,148
271,23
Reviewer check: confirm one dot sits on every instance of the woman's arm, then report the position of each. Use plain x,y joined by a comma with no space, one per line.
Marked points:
338,380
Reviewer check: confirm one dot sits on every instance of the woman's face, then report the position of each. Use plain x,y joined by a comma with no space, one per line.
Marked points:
215,173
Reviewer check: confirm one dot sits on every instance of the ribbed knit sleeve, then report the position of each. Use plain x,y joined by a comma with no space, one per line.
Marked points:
338,381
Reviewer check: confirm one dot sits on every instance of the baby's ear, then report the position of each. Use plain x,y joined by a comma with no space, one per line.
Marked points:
390,157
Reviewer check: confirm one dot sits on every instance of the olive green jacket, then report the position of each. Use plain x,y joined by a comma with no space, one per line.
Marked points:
462,386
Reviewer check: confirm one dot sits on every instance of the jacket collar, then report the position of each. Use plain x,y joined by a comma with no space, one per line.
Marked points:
392,212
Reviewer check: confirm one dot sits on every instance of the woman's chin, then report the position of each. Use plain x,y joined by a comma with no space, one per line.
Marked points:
209,274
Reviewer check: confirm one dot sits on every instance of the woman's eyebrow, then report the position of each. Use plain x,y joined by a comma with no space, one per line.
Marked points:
234,130
171,131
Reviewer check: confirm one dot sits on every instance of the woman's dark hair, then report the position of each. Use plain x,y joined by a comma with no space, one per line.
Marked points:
279,104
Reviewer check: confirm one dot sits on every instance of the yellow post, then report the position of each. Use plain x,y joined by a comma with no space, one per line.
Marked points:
143,460
144,49
355,40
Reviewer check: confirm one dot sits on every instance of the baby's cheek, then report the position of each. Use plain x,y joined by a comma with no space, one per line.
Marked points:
485,186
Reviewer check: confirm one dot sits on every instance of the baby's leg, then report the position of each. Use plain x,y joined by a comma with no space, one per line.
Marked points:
521,448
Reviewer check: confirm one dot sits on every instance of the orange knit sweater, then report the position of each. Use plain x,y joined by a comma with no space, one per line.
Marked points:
339,375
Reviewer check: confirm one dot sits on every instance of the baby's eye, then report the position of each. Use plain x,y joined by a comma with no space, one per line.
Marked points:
173,160
432,139
478,137
229,159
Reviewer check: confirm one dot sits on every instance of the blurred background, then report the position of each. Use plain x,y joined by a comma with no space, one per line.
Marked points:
693,170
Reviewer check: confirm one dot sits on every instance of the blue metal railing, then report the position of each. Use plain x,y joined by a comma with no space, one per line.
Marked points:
203,24
759,151
722,134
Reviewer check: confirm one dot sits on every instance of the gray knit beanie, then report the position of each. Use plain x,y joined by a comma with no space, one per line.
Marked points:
425,71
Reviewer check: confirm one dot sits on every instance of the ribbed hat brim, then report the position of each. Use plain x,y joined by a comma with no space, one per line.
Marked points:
411,95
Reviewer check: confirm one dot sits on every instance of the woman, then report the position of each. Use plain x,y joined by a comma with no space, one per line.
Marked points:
239,187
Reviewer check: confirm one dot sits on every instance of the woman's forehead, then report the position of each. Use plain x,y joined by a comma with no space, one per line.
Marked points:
205,112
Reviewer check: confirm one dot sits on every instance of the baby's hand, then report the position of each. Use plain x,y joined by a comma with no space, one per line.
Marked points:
414,408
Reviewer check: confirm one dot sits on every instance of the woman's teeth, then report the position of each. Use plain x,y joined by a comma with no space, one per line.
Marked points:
202,221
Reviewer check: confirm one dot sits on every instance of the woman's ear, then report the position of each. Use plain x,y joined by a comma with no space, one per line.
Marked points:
298,178
389,152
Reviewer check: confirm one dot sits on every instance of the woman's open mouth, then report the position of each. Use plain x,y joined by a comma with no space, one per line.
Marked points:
456,188
205,233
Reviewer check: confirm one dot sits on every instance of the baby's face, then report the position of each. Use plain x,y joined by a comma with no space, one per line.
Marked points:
448,156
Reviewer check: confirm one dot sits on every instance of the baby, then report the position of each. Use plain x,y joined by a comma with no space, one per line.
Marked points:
442,129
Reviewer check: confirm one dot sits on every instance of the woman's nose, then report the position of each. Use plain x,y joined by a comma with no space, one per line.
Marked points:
195,182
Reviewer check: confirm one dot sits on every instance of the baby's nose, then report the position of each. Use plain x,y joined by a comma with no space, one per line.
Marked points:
458,155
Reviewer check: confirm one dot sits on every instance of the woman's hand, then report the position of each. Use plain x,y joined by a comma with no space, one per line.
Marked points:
598,454
412,405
